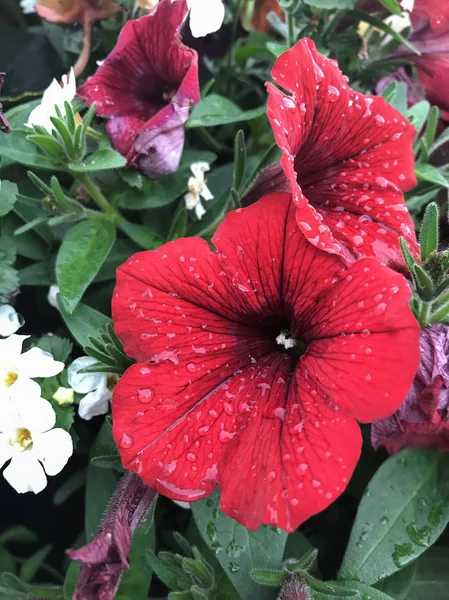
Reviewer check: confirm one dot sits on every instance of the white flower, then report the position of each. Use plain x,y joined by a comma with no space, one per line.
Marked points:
97,387
17,369
27,6
52,296
407,5
10,321
27,438
206,16
54,95
197,188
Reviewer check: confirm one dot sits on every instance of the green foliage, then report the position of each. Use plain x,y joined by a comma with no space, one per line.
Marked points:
404,510
238,550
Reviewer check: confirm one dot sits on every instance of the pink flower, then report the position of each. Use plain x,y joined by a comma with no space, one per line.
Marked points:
423,418
254,363
4,125
348,158
106,556
145,88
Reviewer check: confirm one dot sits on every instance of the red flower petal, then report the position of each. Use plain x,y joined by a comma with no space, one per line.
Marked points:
435,10
146,85
212,381
349,158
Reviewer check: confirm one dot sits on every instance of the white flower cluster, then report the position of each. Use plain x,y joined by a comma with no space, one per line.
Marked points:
29,440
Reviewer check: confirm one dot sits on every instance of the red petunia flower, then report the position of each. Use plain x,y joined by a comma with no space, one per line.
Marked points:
348,157
4,125
145,87
254,362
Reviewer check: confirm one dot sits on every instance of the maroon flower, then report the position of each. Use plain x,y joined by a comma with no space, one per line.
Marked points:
295,589
423,418
4,125
106,556
415,91
145,87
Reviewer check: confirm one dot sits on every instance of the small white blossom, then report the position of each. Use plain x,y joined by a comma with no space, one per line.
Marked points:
52,296
198,189
407,5
17,370
27,6
28,439
97,387
206,16
10,320
54,95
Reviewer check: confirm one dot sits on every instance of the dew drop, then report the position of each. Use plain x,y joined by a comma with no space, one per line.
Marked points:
191,367
145,395
316,483
126,441
191,456
271,476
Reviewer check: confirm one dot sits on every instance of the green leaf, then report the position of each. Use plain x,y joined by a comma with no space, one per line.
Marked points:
18,533
428,237
431,580
417,115
59,348
121,251
404,510
379,24
71,579
237,549
423,282
84,249
9,280
392,6
239,159
100,484
143,236
8,195
18,148
74,483
398,585
426,172
216,110
103,160
276,48
84,322
32,565
355,590
432,123
267,576
49,145
38,273
22,589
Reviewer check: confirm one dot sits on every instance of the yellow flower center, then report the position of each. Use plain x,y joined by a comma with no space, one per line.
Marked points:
10,378
22,438
112,382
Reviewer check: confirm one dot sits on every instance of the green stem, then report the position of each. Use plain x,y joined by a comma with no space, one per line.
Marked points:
424,314
290,29
99,198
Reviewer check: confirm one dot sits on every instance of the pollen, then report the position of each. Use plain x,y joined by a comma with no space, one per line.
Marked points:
10,378
286,341
22,439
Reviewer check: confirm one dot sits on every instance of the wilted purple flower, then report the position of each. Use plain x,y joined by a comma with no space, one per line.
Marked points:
105,558
415,91
145,88
295,589
4,125
423,418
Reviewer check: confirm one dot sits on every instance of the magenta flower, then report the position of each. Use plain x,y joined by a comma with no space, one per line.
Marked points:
105,558
4,125
145,88
423,418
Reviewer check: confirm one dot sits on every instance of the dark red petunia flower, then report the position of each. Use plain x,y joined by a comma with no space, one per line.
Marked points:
254,362
423,417
105,557
348,157
4,125
145,87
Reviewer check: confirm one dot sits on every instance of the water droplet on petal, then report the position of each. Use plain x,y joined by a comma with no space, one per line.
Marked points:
126,441
145,395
